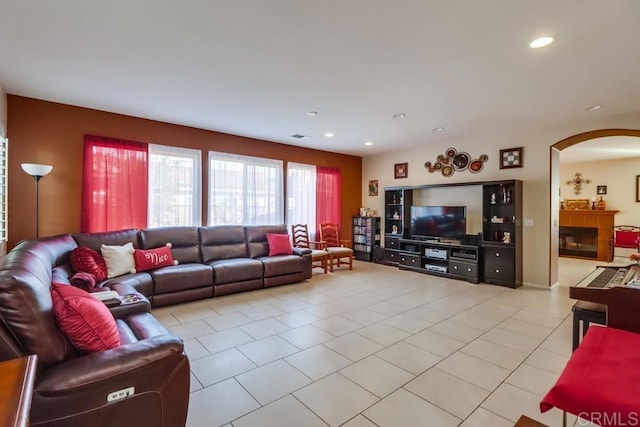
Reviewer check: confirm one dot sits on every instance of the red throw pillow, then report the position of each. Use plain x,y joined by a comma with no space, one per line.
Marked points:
87,322
279,244
89,261
153,258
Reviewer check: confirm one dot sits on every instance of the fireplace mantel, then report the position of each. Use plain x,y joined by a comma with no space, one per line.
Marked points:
603,221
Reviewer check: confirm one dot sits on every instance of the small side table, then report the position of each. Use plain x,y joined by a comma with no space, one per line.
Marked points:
586,312
17,377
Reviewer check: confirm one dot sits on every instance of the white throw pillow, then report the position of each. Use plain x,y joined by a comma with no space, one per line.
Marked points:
119,259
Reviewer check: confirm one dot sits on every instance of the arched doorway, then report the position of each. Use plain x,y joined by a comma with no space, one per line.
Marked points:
554,155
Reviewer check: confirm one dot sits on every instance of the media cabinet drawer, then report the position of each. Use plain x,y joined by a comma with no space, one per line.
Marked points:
410,260
391,255
463,268
392,242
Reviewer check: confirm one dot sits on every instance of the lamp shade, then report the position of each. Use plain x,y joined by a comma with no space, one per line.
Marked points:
34,169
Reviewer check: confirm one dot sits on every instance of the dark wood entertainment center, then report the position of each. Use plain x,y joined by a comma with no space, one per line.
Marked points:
493,256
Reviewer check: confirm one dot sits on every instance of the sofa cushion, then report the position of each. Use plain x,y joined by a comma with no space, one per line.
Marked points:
87,260
185,243
236,270
119,259
223,242
279,244
282,264
181,277
87,322
257,238
150,259
112,238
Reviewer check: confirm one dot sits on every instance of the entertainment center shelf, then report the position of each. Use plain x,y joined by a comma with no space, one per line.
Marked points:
434,239
440,258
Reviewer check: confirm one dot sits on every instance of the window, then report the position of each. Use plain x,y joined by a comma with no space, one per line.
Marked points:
114,187
3,194
245,190
175,186
313,195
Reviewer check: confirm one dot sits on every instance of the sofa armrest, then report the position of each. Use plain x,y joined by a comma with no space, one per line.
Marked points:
301,251
141,306
118,366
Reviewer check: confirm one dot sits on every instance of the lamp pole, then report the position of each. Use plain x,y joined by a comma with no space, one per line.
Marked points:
37,172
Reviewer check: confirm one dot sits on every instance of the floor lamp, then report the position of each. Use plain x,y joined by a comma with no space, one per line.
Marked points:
37,172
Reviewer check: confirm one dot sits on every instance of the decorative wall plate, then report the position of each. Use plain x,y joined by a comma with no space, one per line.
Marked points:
453,161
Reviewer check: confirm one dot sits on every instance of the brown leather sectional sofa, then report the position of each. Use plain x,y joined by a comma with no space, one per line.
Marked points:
71,388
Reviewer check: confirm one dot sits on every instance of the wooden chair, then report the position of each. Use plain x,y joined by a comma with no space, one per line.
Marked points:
319,256
338,248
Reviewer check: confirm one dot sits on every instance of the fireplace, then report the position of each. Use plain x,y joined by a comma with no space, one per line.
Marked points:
579,242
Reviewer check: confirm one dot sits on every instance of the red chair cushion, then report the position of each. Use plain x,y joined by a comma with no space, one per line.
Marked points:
627,239
601,381
279,244
87,260
87,322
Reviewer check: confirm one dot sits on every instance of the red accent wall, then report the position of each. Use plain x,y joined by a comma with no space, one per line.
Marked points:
52,133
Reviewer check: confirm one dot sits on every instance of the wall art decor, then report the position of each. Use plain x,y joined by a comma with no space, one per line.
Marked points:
456,161
373,187
512,158
602,189
577,182
578,204
401,170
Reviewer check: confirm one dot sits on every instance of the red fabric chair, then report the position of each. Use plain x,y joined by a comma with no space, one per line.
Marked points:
626,236
601,381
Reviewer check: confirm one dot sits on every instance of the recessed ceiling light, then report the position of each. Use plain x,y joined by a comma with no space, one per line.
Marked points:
541,42
593,107
368,143
300,136
312,113
329,135
399,116
438,129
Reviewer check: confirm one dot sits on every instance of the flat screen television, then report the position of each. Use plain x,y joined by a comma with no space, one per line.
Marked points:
444,222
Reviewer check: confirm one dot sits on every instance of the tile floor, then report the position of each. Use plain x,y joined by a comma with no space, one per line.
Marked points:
376,346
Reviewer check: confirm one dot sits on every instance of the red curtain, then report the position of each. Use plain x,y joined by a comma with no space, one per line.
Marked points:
328,195
114,184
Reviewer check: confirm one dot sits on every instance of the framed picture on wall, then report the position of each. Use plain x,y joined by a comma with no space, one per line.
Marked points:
401,170
602,190
637,188
373,187
512,158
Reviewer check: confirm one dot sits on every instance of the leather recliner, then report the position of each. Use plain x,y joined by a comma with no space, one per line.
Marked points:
75,389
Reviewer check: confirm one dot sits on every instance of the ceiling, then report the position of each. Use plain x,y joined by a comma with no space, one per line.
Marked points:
256,68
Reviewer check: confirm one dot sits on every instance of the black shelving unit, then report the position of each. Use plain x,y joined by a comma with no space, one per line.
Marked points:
502,233
397,214
366,236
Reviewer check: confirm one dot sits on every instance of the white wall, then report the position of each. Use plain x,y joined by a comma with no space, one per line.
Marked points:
620,178
535,175
469,196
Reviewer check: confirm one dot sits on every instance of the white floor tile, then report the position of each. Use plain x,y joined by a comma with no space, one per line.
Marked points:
359,421
353,346
407,323
548,361
476,371
317,362
224,340
495,353
298,318
456,330
268,349
377,376
435,343
447,392
335,399
272,381
483,418
403,408
337,325
532,379
194,349
409,357
191,329
264,328
306,336
383,333
220,366
231,401
287,411
228,320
